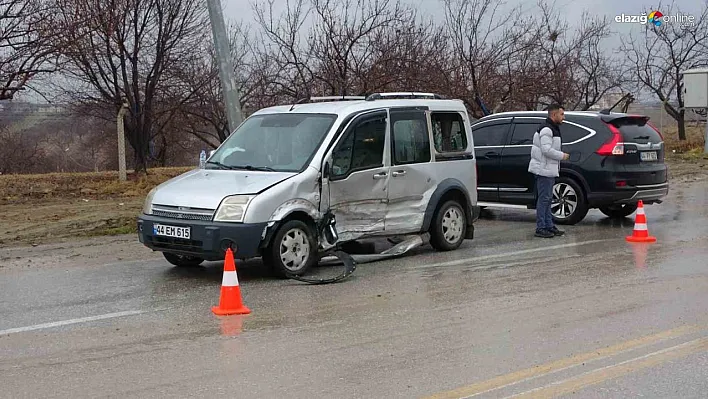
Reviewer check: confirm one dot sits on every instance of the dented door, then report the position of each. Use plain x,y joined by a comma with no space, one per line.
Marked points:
412,179
359,177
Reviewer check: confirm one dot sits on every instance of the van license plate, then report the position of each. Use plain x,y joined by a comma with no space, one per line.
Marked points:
171,231
649,156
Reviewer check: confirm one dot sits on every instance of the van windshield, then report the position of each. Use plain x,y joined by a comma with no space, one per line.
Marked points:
274,142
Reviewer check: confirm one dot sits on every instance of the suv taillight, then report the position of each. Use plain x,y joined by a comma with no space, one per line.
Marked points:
614,146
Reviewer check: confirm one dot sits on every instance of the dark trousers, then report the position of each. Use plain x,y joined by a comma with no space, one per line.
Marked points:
544,191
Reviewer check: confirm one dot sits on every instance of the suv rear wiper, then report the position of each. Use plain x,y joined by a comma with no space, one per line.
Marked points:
221,165
642,137
251,167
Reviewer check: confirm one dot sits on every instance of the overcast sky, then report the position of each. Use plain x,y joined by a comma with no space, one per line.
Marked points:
240,10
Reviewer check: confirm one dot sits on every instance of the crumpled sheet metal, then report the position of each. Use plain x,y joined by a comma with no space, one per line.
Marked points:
395,251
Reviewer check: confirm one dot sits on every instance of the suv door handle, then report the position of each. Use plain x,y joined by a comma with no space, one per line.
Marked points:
380,176
398,173
491,154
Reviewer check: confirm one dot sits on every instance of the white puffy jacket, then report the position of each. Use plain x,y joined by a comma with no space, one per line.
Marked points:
546,153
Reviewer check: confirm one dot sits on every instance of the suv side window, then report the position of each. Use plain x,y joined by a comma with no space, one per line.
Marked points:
571,133
411,140
448,132
490,134
361,148
523,133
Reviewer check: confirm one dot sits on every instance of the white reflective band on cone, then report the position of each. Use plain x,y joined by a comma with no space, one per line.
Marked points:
640,211
640,226
230,279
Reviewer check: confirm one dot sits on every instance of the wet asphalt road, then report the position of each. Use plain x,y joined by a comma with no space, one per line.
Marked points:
586,315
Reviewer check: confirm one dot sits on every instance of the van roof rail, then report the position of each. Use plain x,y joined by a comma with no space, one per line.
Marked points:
403,94
337,98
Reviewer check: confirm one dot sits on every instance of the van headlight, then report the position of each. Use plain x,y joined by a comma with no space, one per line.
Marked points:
233,209
147,206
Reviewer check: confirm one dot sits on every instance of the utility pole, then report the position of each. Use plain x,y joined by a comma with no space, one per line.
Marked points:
232,100
122,175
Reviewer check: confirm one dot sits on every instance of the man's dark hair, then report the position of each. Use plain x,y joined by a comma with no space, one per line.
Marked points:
554,107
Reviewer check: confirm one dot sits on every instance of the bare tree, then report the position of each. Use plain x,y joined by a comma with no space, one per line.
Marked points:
661,53
125,51
578,69
484,40
23,50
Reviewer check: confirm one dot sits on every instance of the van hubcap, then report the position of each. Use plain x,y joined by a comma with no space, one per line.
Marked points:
452,225
294,250
565,200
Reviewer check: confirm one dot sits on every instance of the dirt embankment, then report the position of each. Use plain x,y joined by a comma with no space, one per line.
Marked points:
39,209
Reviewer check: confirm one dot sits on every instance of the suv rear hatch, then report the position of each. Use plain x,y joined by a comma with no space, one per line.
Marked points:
639,147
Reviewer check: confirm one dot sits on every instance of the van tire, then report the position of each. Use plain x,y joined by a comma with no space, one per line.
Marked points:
451,215
293,235
182,260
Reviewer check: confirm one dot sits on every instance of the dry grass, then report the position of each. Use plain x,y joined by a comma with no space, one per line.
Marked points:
92,186
689,149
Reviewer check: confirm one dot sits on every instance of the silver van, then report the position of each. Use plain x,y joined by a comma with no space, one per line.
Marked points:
389,164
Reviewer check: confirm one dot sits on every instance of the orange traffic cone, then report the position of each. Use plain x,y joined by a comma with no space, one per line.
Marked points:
641,232
230,300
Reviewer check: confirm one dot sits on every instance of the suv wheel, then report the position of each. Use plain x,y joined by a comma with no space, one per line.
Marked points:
618,211
448,227
568,204
293,249
182,260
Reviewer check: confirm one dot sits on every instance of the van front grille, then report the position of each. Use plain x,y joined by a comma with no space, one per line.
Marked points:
182,213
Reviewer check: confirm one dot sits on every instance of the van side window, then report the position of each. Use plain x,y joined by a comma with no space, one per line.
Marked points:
411,141
361,148
448,132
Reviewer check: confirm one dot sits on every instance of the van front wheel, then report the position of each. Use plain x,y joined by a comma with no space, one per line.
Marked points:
293,249
448,227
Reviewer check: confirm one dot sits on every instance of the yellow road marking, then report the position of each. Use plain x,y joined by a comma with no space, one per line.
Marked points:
562,364
614,371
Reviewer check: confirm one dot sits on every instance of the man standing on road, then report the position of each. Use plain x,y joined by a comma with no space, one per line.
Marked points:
546,155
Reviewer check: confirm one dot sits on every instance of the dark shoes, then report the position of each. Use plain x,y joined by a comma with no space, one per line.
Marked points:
543,233
549,233
557,232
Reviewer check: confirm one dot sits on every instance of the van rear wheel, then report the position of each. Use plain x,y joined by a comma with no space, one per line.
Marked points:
293,249
448,227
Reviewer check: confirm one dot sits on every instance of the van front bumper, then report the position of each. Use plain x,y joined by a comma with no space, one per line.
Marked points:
208,240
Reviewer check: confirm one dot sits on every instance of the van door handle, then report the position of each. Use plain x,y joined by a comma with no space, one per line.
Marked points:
398,173
380,176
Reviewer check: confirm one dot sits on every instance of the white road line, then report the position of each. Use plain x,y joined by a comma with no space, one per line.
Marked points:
72,321
507,254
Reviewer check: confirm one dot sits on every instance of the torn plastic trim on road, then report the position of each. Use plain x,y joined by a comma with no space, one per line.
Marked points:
350,261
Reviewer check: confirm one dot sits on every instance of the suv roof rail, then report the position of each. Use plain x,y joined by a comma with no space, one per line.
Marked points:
403,94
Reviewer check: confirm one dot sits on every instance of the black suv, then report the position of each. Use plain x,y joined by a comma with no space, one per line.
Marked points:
616,159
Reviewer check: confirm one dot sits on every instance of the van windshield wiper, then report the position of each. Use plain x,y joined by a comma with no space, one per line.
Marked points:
251,167
221,165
